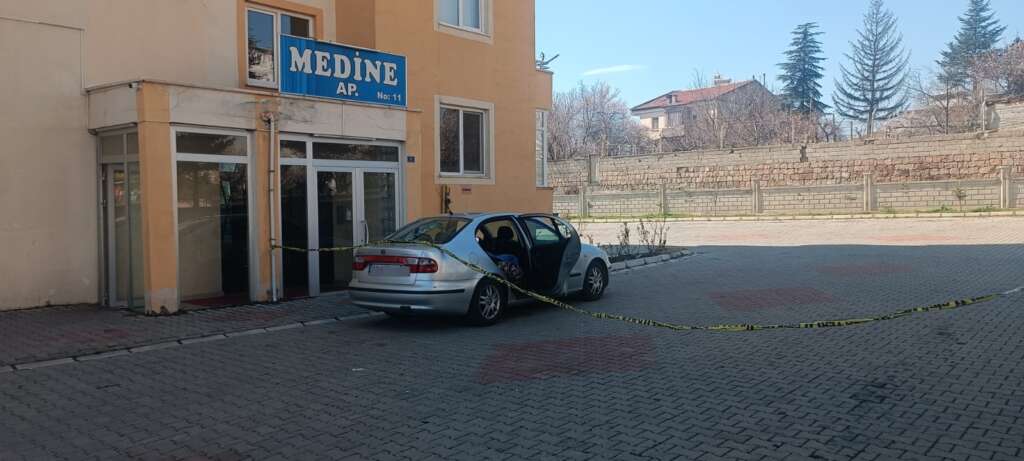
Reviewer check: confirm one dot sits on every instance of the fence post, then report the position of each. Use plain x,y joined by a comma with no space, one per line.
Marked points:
755,196
869,193
1005,183
584,201
663,199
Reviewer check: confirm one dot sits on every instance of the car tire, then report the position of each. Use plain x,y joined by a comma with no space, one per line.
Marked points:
487,304
595,281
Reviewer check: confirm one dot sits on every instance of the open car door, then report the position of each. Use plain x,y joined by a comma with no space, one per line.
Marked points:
553,253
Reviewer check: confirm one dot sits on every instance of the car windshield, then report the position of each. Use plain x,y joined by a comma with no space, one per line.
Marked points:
434,230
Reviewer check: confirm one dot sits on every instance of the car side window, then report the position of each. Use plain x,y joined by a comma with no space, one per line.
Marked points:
499,236
542,233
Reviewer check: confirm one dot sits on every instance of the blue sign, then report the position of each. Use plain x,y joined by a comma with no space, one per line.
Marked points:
329,70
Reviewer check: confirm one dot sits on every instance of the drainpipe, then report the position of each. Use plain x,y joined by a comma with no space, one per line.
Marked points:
272,165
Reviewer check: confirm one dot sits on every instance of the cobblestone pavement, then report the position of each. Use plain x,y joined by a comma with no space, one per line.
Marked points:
52,333
548,384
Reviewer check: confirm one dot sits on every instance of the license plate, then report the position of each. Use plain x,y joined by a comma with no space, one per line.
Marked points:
389,270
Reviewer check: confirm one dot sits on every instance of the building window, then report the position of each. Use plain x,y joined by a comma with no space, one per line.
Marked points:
541,148
675,119
467,14
263,30
655,123
462,141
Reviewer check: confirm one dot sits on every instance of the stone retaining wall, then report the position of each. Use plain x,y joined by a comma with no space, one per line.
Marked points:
726,202
979,194
938,194
926,158
818,199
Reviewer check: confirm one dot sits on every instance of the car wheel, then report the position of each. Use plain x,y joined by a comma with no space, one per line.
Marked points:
595,282
487,304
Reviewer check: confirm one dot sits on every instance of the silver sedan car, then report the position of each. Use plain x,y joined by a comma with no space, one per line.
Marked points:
538,252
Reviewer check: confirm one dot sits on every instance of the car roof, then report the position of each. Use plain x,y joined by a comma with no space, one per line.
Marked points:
483,215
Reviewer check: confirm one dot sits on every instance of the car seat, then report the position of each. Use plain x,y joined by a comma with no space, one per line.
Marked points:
505,243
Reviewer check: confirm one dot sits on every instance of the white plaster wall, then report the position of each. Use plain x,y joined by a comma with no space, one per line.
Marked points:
48,183
232,109
112,107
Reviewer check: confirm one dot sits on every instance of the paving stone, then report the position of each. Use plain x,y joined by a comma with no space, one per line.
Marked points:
550,384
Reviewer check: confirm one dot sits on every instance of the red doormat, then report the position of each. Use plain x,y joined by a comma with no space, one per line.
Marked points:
567,357
769,297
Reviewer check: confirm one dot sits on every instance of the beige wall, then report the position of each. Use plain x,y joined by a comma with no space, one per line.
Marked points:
48,190
501,73
48,173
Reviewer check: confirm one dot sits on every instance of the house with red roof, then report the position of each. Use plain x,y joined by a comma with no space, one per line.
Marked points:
682,113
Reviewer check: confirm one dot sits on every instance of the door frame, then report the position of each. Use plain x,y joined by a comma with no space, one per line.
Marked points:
357,168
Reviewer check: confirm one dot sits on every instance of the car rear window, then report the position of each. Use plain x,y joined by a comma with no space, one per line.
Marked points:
433,230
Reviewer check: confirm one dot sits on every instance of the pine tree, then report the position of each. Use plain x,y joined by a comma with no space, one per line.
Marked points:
802,71
872,88
979,32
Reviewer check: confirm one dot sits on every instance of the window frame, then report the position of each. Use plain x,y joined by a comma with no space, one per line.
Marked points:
482,33
487,160
253,215
276,15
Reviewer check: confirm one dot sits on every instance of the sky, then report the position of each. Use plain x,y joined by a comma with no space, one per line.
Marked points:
649,47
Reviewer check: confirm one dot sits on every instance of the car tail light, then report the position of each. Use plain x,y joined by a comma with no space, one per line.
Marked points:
424,266
415,265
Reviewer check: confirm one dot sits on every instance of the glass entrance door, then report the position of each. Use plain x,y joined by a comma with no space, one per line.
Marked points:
380,204
337,216
332,207
333,194
295,230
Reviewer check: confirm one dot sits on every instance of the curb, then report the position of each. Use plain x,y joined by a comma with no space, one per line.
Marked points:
648,261
118,352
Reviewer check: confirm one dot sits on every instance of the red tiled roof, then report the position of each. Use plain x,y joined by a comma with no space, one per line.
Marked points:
684,97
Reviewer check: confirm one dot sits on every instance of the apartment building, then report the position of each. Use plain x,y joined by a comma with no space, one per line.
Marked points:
156,152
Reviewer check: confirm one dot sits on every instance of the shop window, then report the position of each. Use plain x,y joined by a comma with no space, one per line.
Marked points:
210,144
293,149
464,141
263,29
213,218
541,148
346,151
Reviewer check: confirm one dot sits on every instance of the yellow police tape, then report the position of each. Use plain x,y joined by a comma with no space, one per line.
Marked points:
737,327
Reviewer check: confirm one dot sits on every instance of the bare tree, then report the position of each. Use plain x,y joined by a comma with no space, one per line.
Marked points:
593,120
1001,70
939,107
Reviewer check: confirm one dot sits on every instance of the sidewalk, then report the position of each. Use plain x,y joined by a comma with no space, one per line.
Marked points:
38,335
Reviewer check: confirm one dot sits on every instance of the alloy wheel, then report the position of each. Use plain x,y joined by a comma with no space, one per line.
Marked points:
490,302
595,280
